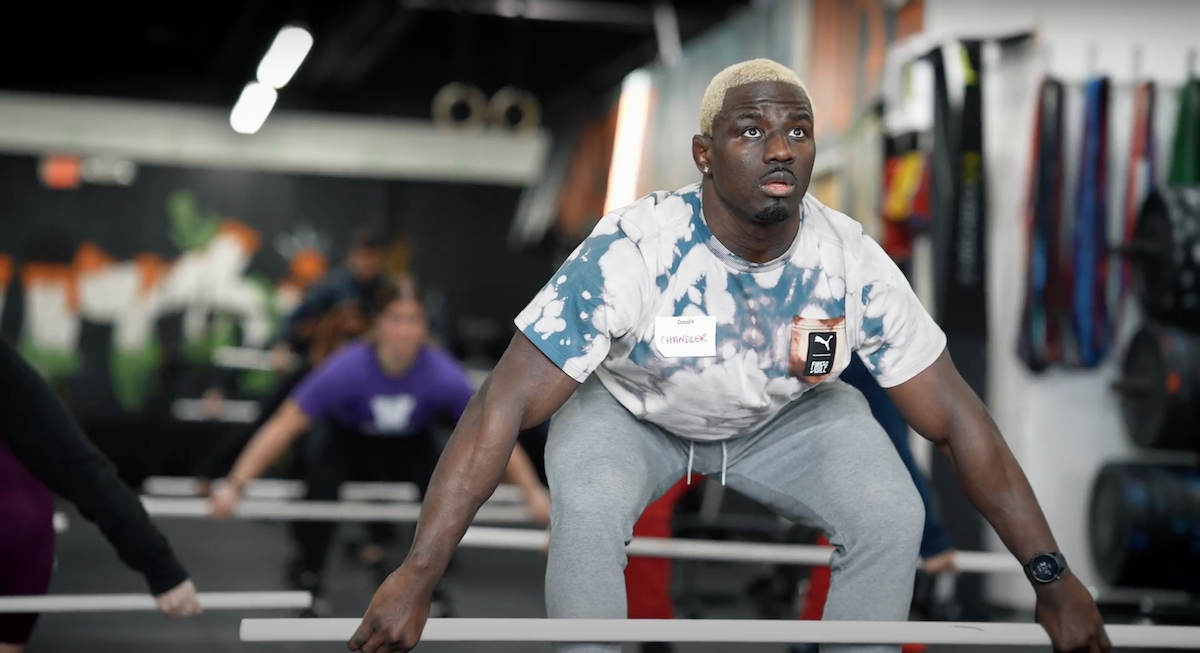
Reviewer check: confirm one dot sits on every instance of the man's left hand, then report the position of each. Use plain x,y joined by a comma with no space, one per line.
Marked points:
940,563
538,503
1069,614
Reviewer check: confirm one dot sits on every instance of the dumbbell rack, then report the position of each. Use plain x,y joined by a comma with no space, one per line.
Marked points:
1145,507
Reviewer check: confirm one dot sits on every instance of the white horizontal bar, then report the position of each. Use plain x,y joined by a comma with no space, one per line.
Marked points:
321,510
270,488
716,630
289,142
248,358
143,602
686,549
232,410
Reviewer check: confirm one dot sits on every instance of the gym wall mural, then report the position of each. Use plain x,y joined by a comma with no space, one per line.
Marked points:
206,283
105,285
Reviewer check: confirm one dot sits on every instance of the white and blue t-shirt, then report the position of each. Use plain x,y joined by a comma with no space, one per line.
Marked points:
709,346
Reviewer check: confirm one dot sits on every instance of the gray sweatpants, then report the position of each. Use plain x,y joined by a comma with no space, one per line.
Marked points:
823,461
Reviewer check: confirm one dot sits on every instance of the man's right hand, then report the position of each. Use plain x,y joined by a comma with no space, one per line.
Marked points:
396,617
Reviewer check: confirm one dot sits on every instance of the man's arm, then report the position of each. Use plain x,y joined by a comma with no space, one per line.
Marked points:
524,389
940,405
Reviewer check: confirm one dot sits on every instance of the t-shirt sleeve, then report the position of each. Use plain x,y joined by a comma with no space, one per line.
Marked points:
324,387
897,337
595,297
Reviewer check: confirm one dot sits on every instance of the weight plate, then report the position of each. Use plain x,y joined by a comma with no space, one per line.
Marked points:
1144,526
1143,405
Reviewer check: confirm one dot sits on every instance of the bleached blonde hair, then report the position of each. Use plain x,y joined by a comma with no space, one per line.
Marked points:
739,74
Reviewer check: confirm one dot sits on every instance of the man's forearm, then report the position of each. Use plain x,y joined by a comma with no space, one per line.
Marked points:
992,479
470,468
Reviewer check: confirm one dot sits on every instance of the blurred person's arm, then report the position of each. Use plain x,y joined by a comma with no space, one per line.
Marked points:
268,444
37,427
313,398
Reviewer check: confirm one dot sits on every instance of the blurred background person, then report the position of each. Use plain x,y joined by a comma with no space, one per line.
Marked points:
372,407
42,451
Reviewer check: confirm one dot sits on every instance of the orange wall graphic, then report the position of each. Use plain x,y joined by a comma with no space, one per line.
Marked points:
207,283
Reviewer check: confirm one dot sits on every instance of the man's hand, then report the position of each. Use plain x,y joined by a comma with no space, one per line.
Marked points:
1069,614
223,501
940,563
538,503
396,617
181,601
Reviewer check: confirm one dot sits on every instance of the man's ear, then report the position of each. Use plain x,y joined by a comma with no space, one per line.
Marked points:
702,153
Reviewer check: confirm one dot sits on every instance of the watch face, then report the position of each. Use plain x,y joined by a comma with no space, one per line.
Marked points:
1044,568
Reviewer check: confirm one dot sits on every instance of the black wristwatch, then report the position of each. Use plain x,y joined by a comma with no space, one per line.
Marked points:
1045,568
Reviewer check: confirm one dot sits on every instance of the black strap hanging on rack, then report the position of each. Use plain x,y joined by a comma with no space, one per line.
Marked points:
1088,281
1039,342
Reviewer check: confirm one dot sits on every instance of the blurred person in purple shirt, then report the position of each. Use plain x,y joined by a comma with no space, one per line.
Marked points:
370,410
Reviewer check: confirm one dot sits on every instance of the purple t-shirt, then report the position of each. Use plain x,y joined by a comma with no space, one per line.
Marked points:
351,390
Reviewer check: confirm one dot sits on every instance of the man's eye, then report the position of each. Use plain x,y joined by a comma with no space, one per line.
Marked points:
752,132
798,132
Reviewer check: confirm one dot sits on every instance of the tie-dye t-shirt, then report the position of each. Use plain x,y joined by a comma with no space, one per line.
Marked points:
636,304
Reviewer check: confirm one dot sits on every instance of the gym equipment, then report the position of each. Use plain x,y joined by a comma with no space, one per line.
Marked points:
514,109
145,602
460,106
1159,388
1144,526
715,630
1166,255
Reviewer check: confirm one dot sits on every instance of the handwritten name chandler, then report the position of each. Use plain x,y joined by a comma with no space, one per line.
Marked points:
685,339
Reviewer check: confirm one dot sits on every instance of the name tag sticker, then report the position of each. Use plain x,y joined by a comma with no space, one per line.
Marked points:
686,337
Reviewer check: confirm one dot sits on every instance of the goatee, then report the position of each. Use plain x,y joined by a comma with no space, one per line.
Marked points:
773,214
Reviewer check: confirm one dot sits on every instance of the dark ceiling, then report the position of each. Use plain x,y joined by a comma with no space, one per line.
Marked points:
369,56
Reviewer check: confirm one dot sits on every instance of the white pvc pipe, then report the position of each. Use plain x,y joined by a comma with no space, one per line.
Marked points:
145,602
685,549
716,630
321,510
270,488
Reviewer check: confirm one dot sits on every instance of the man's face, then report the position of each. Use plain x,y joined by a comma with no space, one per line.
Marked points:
366,264
761,152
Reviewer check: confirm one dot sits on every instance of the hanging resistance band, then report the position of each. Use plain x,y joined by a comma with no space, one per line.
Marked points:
1039,342
1138,182
1088,291
1185,154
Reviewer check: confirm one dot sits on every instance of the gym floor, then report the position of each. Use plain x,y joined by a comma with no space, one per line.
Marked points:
249,556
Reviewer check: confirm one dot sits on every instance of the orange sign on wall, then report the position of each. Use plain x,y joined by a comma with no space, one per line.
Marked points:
849,44
61,171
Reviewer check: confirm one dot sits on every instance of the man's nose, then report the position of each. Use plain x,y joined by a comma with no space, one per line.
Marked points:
778,149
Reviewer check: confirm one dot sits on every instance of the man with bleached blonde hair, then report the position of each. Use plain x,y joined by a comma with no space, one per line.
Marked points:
703,331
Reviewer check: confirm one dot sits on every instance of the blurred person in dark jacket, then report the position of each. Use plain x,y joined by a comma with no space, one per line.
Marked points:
359,278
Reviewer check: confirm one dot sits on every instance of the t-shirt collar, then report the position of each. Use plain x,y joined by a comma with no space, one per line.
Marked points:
738,263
